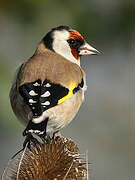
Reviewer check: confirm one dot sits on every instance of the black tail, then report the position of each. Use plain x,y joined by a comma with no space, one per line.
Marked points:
39,128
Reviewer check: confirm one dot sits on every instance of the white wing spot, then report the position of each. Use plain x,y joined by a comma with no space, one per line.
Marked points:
46,94
36,84
32,93
46,103
31,101
47,85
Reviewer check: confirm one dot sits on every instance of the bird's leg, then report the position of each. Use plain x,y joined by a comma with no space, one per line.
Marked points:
45,138
29,139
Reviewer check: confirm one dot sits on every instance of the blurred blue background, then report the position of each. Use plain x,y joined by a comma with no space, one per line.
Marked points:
105,124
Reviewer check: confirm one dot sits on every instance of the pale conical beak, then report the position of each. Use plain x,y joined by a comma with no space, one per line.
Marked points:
86,49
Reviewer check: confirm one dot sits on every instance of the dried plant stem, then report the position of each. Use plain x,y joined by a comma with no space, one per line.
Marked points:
57,159
6,169
87,164
68,171
19,165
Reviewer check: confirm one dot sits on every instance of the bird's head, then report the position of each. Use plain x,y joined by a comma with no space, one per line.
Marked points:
68,43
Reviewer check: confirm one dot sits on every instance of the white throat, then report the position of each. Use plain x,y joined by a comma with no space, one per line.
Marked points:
61,46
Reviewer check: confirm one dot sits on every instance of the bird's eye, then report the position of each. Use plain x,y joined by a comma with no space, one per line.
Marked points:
75,43
71,41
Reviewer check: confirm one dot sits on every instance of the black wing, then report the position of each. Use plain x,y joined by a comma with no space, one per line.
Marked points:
42,96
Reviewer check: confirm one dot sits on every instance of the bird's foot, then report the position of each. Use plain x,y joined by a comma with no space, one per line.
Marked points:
29,140
45,138
57,135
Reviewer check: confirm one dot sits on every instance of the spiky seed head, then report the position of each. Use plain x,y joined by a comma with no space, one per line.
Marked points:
57,160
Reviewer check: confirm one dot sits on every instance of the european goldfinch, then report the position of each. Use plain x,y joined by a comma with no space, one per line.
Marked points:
49,87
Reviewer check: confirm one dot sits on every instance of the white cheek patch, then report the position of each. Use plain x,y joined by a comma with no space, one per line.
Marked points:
61,46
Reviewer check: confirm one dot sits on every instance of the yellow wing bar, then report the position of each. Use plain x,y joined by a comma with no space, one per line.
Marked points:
70,93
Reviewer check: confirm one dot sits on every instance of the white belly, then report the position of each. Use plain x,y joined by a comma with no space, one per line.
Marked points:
62,114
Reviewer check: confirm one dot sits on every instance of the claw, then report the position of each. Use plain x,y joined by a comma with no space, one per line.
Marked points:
29,139
56,135
45,138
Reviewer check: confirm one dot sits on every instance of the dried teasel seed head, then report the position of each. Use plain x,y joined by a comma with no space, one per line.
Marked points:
58,159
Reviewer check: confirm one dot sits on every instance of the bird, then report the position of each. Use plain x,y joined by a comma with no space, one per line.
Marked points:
48,88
